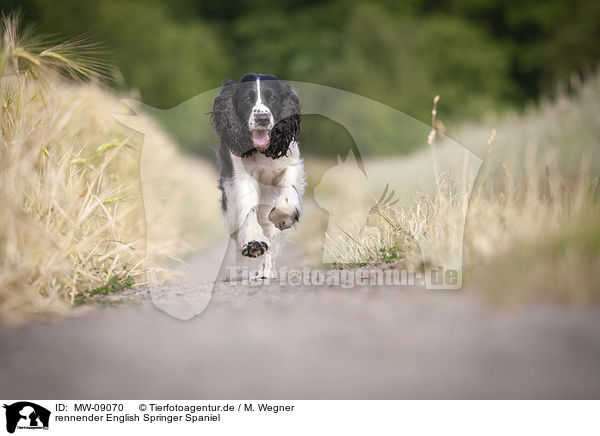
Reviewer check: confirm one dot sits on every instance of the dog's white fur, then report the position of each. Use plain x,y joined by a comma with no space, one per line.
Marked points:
261,194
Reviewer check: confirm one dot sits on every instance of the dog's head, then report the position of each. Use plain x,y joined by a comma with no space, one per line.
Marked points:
257,113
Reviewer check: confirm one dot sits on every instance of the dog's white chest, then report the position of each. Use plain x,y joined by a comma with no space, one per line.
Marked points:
268,171
265,170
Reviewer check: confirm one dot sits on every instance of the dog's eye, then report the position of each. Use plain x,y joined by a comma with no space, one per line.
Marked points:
272,99
247,99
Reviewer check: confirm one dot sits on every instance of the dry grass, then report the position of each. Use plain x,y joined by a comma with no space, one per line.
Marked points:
72,212
533,217
537,234
423,230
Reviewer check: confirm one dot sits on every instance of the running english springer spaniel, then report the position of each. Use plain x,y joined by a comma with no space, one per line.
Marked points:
262,173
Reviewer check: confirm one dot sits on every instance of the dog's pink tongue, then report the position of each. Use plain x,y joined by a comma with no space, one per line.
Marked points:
260,139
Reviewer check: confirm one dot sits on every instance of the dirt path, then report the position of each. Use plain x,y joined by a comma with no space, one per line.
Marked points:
303,342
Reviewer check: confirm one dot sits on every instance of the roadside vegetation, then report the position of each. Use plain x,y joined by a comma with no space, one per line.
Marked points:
72,217
533,215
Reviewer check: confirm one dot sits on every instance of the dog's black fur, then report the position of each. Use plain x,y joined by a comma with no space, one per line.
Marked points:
231,112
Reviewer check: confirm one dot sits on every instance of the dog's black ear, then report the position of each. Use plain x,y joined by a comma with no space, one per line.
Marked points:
287,127
234,133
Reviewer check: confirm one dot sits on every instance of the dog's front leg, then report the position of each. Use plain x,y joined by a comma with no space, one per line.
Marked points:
287,209
288,204
242,197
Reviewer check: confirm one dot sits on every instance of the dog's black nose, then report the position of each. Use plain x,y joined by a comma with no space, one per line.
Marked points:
261,119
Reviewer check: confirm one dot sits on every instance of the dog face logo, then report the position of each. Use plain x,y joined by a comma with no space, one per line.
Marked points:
26,415
364,192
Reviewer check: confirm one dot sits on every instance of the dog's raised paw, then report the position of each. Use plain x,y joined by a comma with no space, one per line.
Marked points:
283,220
254,249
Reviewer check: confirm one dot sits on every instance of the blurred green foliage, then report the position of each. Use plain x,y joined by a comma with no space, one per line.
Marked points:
479,56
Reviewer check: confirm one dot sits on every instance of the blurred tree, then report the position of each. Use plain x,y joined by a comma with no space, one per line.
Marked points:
293,43
166,60
405,64
478,55
549,40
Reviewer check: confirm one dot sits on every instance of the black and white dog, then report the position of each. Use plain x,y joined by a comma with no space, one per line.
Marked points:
262,173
